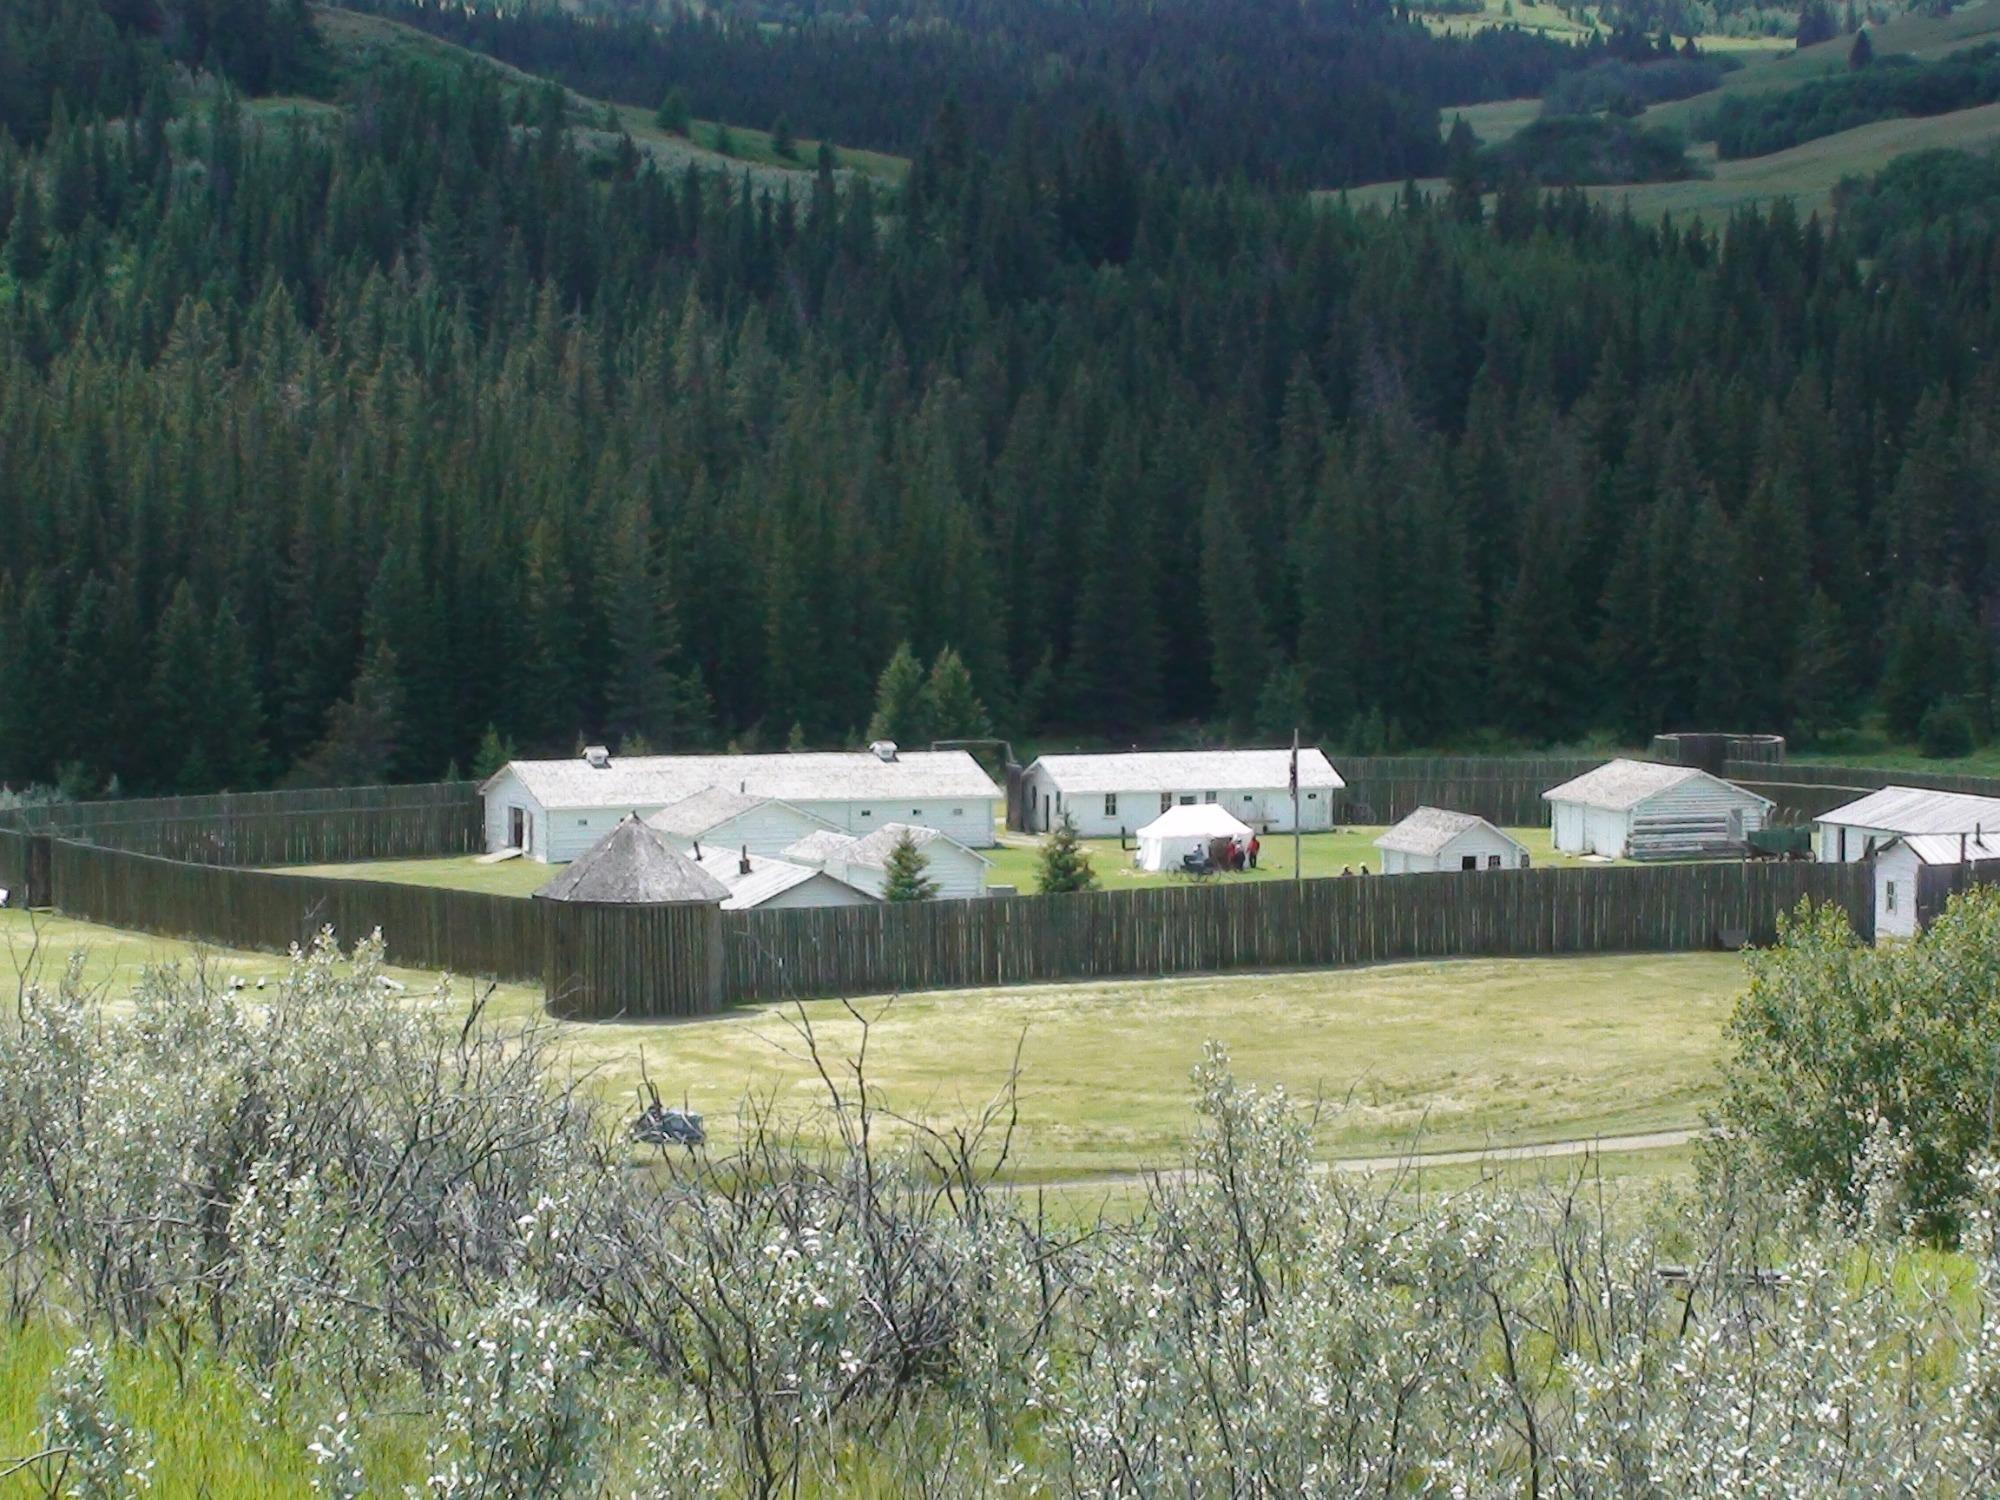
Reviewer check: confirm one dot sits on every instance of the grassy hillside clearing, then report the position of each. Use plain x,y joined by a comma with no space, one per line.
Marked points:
1807,174
1433,1056
1920,36
1493,123
360,43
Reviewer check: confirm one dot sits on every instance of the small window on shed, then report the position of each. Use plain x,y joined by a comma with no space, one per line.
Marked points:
1208,796
1312,796
1524,861
958,812
1468,862
1889,895
583,822
916,812
1248,798
1492,861
1166,800
1110,804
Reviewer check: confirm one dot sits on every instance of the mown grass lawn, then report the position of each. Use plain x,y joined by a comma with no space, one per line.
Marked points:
1014,863
1428,1056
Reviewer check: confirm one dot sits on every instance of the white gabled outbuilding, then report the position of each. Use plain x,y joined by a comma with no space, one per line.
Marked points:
1856,829
757,883
1107,796
958,871
553,810
1435,838
735,820
1899,866
1640,809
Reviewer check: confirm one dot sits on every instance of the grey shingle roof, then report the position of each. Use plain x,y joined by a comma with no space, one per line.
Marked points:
818,848
767,877
874,849
708,808
1621,784
1429,829
635,865
822,776
1188,770
1915,809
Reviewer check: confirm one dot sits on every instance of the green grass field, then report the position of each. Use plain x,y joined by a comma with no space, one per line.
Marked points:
1431,1056
1014,864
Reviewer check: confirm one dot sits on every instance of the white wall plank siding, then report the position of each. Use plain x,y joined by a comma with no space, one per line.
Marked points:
1896,870
1641,810
573,803
1106,795
960,875
1480,845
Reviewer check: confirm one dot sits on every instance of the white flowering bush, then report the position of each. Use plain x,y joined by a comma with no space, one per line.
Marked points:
437,1271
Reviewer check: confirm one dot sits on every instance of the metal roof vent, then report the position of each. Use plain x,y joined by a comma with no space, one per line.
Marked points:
598,756
884,749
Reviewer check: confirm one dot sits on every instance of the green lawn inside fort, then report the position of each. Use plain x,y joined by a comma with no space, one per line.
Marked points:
1427,1057
1014,863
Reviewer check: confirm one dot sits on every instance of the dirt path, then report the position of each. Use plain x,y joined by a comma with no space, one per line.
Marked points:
1361,1166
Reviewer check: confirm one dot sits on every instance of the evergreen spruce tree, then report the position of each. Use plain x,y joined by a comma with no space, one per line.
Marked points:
494,753
1461,155
1063,864
1240,650
951,709
182,731
1862,53
908,879
27,241
360,744
784,140
235,707
673,115
1819,694
902,710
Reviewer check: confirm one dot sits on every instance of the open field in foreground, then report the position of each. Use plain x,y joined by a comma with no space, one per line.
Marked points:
1427,1056
1014,863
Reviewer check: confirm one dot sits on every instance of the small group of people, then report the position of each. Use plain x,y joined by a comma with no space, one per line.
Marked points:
1225,855
1346,870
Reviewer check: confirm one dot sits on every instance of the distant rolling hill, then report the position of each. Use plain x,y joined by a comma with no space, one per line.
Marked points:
359,42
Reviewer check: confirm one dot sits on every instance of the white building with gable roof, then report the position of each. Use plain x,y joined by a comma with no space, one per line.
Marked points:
1113,794
1640,809
959,872
1434,838
553,810
1904,829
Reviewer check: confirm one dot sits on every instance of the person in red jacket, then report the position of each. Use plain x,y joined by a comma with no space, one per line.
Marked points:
1255,844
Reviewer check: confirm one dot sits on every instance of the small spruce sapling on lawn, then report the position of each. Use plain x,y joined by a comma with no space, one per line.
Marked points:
1065,863
907,878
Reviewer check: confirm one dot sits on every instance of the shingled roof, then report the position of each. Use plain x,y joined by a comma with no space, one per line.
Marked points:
1429,829
634,865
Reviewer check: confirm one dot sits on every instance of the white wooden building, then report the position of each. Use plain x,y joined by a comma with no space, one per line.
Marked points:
958,872
1114,794
1857,829
553,810
1639,809
1435,838
718,817
757,883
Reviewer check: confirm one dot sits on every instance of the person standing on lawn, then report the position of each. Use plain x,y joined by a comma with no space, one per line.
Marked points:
1255,844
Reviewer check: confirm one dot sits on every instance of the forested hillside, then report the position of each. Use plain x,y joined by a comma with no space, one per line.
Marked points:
1321,94
327,441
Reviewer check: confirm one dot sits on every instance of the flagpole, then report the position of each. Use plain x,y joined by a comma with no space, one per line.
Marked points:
1298,842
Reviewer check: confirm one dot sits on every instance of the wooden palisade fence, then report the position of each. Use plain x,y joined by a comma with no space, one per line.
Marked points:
1503,789
1193,929
599,961
322,826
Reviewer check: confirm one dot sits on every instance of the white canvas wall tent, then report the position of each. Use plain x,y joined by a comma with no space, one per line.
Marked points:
1165,843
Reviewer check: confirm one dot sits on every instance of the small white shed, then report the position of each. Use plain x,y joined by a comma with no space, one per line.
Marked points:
1899,867
1640,809
958,872
757,883
1179,831
1435,838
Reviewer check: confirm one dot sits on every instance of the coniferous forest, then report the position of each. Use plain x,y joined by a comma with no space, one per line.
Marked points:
330,438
